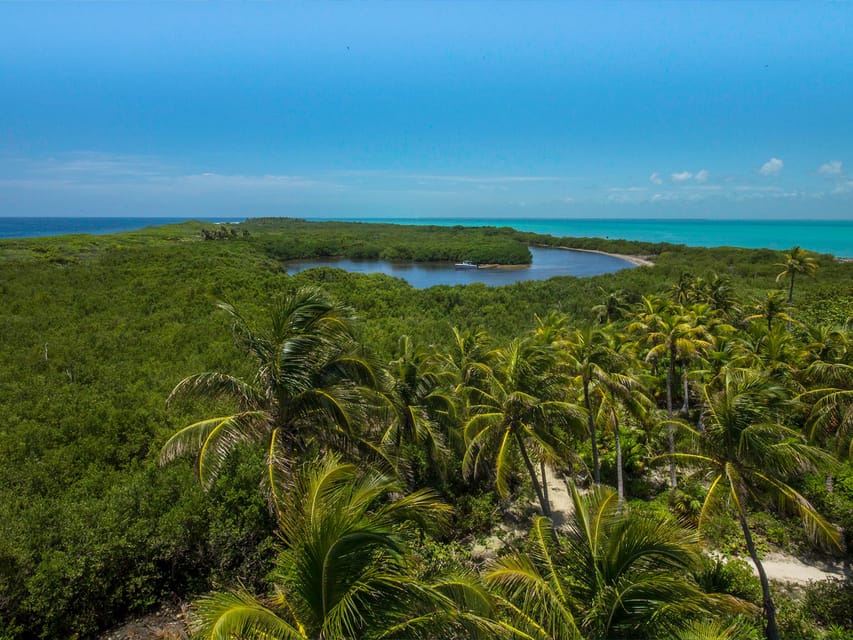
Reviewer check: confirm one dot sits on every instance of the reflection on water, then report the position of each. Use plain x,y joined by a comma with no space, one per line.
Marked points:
547,263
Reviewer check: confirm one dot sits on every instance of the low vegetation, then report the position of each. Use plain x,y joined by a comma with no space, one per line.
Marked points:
430,417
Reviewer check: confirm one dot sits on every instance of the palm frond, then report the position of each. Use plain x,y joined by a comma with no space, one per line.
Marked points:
817,527
212,384
226,616
213,440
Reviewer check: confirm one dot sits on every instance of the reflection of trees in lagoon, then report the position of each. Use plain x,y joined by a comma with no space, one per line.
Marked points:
547,263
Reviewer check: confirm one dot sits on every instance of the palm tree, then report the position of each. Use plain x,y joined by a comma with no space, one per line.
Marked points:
673,335
796,261
589,356
774,352
614,307
714,630
518,412
419,403
830,396
620,394
746,453
345,573
307,390
467,358
719,293
770,308
611,573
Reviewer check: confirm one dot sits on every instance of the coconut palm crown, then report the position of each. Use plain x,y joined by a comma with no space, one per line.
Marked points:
307,391
344,573
797,260
613,573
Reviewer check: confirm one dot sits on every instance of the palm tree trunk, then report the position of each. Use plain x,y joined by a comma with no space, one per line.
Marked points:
670,376
685,407
620,483
543,501
596,471
544,483
790,302
771,631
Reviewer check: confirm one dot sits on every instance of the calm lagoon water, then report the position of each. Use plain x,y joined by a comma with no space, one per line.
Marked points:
547,263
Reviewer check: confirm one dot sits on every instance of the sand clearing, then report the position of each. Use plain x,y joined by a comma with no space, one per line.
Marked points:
779,566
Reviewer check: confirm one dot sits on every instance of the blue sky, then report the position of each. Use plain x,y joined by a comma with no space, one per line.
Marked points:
477,109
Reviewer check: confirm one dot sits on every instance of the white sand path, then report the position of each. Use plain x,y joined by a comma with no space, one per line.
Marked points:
778,566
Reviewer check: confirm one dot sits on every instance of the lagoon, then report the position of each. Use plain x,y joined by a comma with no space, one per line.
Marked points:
547,263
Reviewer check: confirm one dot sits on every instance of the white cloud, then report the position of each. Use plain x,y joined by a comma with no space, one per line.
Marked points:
845,187
226,181
771,167
831,168
655,178
479,179
684,176
701,175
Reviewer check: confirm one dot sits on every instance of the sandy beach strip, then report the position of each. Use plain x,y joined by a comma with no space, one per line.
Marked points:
638,261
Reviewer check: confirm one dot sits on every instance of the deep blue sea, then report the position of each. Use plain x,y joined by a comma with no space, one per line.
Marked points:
36,227
822,236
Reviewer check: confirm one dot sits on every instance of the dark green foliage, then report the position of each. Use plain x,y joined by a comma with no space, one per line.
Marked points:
96,331
288,239
830,602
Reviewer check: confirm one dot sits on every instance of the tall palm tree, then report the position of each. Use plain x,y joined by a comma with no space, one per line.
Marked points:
520,412
797,260
670,334
612,573
620,394
308,389
747,453
829,396
589,356
344,573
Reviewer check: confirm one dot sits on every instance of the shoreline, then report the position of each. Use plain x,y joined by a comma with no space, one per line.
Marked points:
636,260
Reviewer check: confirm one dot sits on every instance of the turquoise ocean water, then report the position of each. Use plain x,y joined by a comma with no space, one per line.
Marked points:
823,236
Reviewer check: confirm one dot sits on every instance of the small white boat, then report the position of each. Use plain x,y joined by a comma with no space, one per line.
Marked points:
465,264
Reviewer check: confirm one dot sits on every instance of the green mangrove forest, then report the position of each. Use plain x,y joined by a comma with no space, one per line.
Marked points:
340,456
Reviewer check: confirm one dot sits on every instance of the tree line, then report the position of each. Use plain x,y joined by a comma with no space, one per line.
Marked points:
99,330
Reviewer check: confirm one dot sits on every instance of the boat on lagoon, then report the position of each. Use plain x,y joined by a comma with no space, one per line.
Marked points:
466,264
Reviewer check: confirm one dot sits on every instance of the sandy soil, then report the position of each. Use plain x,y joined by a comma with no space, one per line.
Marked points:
779,566
787,568
169,623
